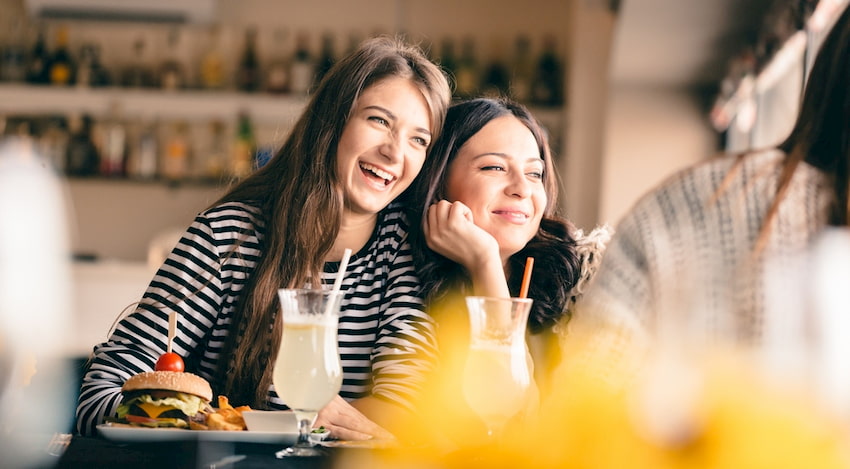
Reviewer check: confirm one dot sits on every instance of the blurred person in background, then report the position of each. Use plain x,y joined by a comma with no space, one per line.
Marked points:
697,256
360,143
36,378
486,201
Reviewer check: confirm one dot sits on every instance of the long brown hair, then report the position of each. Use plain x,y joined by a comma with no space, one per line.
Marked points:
301,203
553,246
821,134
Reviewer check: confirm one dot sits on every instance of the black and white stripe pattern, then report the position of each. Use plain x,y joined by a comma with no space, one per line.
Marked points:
386,339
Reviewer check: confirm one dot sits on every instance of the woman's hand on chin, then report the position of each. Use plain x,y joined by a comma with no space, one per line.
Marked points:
451,231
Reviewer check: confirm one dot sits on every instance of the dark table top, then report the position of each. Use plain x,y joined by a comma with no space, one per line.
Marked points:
93,452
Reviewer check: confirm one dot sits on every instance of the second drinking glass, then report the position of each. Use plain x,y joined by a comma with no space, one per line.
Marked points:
307,373
497,379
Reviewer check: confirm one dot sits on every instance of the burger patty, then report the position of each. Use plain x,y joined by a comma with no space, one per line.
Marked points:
168,414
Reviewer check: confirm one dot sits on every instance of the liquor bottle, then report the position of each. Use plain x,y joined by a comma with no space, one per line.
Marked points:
547,88
217,152
496,79
248,73
244,147
212,64
354,40
81,158
277,72
138,74
53,141
171,73
13,56
522,70
91,72
113,148
38,59
61,68
303,67
467,72
142,160
447,60
326,59
175,162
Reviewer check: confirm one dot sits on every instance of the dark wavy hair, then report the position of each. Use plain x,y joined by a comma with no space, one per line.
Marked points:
556,263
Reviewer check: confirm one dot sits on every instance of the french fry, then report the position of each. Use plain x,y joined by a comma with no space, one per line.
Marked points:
197,426
226,417
224,403
217,422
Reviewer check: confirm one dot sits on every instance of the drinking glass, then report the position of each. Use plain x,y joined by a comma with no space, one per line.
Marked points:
496,378
307,373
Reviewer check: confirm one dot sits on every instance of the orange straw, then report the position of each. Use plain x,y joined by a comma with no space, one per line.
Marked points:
526,277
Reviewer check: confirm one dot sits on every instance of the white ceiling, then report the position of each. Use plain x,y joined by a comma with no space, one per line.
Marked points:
682,43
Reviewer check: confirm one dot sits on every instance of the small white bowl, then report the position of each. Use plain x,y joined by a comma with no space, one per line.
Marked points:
278,421
317,436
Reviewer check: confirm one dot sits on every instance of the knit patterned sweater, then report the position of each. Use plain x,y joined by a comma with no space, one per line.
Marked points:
681,262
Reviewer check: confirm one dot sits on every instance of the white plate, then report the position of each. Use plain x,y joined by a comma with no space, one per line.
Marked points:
125,434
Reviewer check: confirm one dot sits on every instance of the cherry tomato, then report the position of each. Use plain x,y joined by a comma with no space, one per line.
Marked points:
170,362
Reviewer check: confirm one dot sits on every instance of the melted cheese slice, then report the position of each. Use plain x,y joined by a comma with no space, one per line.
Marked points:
153,410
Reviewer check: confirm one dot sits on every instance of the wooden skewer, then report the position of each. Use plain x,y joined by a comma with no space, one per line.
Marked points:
172,328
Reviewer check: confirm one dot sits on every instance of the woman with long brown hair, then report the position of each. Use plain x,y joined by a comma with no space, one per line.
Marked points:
358,145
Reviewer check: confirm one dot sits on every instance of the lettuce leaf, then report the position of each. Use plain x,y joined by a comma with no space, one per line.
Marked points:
189,404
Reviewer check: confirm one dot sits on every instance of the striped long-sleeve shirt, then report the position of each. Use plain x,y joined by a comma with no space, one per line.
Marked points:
386,340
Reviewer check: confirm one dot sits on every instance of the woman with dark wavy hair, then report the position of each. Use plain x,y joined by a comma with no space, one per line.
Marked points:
486,201
360,142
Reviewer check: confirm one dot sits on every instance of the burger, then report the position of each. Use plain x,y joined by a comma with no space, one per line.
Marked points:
164,399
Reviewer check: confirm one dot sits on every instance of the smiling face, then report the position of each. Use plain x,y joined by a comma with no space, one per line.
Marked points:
498,174
383,145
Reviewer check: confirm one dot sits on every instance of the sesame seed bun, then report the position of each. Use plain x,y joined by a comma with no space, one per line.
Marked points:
170,381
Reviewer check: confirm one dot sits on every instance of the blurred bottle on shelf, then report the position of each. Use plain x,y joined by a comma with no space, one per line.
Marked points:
264,154
15,126
143,156
248,72
354,40
212,63
175,161
138,74
13,56
327,57
496,79
244,147
548,86
91,73
113,143
61,68
467,74
216,164
303,67
447,60
522,70
53,141
38,59
172,75
277,72
82,158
